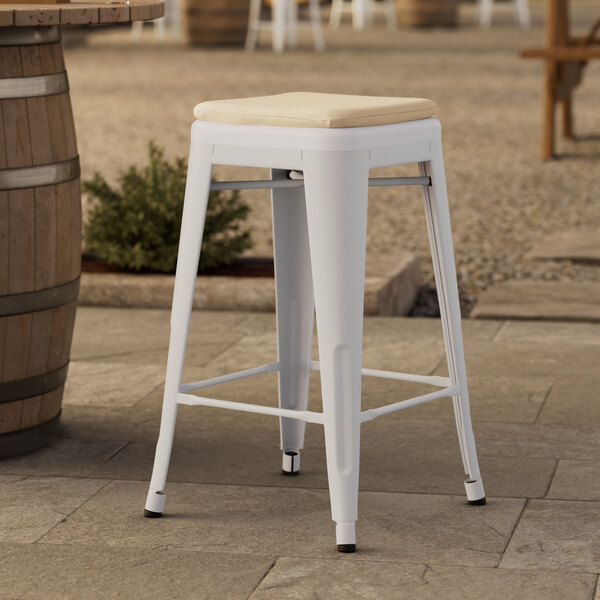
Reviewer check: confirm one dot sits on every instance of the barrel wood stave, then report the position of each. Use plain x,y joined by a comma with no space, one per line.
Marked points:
40,247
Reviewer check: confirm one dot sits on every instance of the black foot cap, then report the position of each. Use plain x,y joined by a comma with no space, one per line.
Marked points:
289,472
346,547
479,502
152,515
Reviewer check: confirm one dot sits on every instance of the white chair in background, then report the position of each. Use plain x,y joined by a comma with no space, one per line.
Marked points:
171,19
362,12
284,24
521,8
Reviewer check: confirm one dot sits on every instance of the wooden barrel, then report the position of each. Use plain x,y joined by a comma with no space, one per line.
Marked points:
40,236
426,13
216,22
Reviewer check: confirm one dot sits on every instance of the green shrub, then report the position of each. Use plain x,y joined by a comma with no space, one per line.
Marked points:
137,227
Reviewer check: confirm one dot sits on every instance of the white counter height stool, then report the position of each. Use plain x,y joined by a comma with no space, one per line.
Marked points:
320,148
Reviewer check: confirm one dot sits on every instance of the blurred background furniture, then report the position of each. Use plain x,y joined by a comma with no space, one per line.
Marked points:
362,12
566,57
520,8
216,22
171,21
427,13
283,24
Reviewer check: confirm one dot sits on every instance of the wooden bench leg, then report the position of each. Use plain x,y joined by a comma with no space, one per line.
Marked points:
567,118
549,104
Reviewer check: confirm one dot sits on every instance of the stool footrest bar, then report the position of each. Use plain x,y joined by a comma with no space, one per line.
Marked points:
270,184
369,415
398,181
302,415
444,382
256,184
198,385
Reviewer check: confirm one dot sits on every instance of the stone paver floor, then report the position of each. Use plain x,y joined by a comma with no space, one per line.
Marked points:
71,523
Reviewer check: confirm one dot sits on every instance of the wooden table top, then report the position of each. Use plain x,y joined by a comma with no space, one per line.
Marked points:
80,13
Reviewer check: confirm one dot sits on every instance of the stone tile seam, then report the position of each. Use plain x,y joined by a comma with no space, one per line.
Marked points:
117,354
99,477
595,590
156,387
537,569
142,351
439,365
397,416
543,404
263,577
545,496
249,317
71,513
429,566
498,332
512,533
116,453
152,442
96,546
292,487
296,488
219,354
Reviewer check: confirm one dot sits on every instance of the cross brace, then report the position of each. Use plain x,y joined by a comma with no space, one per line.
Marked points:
183,397
270,184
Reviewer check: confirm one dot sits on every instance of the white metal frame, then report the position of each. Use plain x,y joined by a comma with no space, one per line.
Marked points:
520,8
362,12
284,24
319,234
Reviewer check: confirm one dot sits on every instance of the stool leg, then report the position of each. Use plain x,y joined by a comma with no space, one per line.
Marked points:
136,30
278,20
522,13
336,185
359,14
315,19
485,12
295,314
291,23
192,226
440,238
160,29
335,14
390,14
253,25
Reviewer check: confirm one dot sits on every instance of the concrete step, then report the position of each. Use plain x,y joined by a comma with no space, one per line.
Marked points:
543,300
580,246
391,284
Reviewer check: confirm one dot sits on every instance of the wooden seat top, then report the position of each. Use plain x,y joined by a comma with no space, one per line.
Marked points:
312,109
80,13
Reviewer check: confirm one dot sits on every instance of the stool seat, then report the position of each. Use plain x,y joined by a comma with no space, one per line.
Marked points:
317,110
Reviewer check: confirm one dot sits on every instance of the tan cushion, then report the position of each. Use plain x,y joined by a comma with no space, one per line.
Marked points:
309,109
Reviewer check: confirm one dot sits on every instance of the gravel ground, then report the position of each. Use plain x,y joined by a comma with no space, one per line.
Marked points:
503,197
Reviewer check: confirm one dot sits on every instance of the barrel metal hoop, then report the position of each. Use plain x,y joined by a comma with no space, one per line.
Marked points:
38,175
11,391
44,299
29,36
12,88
